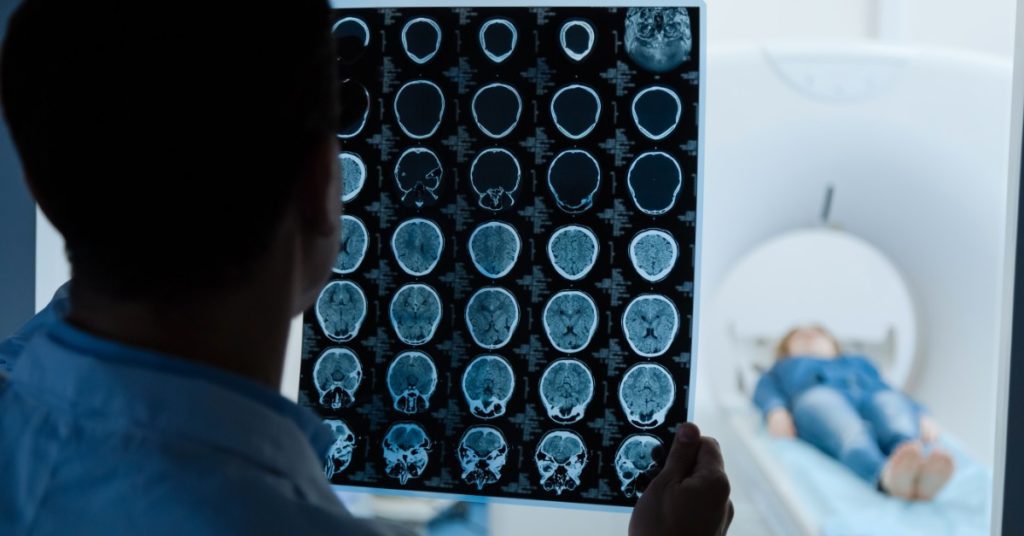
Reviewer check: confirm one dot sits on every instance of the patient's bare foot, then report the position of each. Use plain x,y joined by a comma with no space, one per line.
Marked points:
936,471
900,474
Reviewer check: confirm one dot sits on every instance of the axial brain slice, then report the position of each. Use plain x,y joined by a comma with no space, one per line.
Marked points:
651,323
418,174
635,458
421,39
655,180
339,455
573,251
419,108
654,253
646,394
417,245
561,456
570,320
496,109
575,110
406,451
415,313
658,39
351,36
574,177
577,39
498,39
483,452
337,375
566,388
340,310
492,315
494,248
353,175
487,384
656,112
412,378
354,242
356,109
495,176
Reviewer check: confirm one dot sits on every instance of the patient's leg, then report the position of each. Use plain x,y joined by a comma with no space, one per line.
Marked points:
826,419
893,418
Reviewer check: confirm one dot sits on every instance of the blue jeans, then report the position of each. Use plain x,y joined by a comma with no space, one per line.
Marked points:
860,436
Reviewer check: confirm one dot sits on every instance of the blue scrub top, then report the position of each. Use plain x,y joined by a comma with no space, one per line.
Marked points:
97,437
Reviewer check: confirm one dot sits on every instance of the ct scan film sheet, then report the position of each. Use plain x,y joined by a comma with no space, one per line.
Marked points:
511,313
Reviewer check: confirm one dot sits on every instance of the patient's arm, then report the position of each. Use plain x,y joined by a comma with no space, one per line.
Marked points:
780,423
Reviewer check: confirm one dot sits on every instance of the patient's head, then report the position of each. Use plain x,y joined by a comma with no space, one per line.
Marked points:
808,341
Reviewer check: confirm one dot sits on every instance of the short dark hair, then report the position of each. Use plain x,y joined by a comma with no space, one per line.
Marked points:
164,139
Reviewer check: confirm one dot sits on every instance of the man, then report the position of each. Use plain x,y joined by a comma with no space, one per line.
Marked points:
186,152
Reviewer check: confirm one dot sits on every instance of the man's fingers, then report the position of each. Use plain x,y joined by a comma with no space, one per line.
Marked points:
682,457
709,471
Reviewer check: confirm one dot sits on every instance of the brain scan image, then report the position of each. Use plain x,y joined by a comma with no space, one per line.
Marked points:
492,315
418,174
655,180
487,384
412,379
635,463
574,177
421,39
498,38
656,111
566,389
417,245
494,248
337,375
573,251
415,314
561,457
495,176
419,108
341,310
646,394
406,451
570,321
354,242
356,110
339,455
650,323
575,110
483,453
577,39
658,39
351,38
496,109
353,175
653,253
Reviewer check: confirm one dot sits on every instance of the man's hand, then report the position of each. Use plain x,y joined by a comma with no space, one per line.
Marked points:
780,423
691,494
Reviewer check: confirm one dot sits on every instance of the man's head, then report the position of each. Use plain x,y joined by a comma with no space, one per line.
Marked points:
172,144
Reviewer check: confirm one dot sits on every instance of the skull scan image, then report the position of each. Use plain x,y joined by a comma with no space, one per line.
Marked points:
496,109
354,243
658,39
635,463
341,310
417,245
494,248
577,39
573,251
656,111
353,175
351,38
492,315
415,314
356,109
498,39
406,451
655,180
566,388
339,455
646,394
570,321
487,384
654,253
495,176
574,177
412,379
561,456
650,323
421,39
418,174
337,375
575,110
419,108
483,453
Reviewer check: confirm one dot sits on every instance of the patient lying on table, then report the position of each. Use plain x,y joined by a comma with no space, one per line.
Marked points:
840,404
